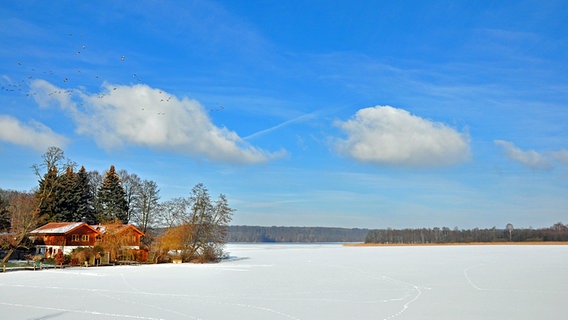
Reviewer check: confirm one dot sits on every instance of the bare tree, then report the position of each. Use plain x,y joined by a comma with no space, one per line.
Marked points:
510,231
171,213
197,221
131,184
217,229
24,217
145,205
200,233
54,157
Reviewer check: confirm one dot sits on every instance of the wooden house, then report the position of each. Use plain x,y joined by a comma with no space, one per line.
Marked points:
64,236
122,242
67,236
126,234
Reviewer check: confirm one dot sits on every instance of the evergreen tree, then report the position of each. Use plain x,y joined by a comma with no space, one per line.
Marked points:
95,181
112,198
47,195
4,213
54,162
85,198
67,201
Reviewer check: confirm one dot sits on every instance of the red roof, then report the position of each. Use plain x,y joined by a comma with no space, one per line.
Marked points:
67,227
60,228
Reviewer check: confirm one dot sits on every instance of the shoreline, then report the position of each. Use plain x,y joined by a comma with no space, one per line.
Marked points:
526,243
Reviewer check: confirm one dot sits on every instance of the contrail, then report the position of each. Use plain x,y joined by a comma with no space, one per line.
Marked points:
281,125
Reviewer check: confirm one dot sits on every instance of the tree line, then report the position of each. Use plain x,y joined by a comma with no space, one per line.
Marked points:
195,226
295,234
557,232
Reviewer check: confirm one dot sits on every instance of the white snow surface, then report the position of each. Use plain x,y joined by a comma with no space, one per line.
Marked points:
299,281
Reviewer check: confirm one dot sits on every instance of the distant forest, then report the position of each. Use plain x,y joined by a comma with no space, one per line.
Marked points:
295,234
557,232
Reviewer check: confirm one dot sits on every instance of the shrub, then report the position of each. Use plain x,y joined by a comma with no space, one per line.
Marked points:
82,254
208,254
59,258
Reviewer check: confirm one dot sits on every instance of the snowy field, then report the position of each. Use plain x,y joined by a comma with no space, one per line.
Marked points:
274,281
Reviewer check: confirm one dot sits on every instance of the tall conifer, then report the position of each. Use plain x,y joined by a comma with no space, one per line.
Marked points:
112,198
85,198
47,195
67,196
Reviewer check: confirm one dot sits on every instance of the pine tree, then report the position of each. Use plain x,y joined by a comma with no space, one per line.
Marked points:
85,198
4,213
54,162
95,181
67,201
112,198
47,195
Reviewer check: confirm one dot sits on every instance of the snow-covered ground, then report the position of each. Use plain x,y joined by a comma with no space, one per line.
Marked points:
275,281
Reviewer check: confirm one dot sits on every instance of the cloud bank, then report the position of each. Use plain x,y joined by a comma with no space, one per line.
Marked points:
140,115
384,135
561,156
35,135
530,158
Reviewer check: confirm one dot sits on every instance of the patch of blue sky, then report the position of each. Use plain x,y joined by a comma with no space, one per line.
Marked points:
290,99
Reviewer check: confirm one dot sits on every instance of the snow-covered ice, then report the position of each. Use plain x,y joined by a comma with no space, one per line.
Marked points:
315,281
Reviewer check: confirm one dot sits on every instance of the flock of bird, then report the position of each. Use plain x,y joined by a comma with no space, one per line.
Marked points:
21,86
69,79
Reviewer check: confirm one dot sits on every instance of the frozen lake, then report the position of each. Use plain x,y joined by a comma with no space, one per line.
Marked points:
277,281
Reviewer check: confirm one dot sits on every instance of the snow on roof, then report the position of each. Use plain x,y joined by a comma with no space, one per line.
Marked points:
65,227
58,227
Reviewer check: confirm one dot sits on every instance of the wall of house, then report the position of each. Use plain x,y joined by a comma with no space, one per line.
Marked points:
49,251
132,238
50,240
82,237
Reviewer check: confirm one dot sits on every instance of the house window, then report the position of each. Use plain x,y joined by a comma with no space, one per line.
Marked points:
98,238
85,238
75,237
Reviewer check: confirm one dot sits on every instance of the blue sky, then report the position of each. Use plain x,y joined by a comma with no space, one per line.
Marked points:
368,114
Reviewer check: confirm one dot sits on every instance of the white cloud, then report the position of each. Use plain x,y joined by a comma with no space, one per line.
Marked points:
561,156
530,158
46,95
387,135
141,115
35,135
